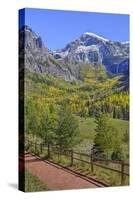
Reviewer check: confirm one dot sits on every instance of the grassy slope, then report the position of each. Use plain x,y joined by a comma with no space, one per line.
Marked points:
87,131
87,127
33,184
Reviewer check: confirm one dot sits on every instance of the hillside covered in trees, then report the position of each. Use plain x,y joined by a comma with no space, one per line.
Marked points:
73,103
54,109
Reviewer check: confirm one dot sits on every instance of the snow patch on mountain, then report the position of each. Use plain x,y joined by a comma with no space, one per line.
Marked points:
86,49
96,36
126,42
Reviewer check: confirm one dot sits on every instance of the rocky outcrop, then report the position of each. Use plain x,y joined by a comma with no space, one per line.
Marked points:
34,56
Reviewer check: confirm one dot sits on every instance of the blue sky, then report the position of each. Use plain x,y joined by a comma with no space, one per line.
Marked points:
57,28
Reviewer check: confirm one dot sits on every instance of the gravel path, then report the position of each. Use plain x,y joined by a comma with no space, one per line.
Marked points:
54,176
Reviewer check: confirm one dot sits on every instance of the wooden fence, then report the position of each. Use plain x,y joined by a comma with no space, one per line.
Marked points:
76,156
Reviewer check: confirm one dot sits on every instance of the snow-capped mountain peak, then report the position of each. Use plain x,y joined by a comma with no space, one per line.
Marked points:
88,48
95,36
126,42
96,50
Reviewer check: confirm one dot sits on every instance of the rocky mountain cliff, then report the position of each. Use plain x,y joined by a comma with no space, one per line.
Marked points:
88,48
34,56
96,50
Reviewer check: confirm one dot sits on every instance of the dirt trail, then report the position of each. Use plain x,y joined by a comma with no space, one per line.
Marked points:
54,176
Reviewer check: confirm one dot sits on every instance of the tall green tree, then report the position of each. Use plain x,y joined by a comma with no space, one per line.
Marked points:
31,117
67,128
106,140
47,126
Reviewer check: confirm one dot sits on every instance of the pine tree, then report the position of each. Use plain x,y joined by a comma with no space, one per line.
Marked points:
106,139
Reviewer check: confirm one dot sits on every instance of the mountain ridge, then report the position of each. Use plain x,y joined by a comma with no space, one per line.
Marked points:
89,48
95,50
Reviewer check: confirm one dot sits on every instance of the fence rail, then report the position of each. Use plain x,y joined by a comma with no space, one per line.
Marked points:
72,155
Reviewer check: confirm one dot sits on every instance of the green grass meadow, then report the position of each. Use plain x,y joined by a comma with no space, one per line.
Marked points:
33,184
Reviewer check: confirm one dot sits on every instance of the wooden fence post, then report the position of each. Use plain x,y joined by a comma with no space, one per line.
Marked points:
92,168
58,153
71,157
48,150
41,148
122,173
31,148
27,148
35,148
28,145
